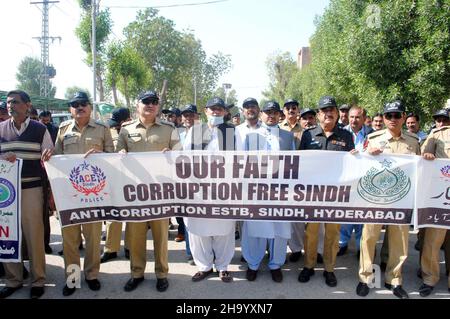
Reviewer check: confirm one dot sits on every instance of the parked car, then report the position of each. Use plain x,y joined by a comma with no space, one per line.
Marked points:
58,118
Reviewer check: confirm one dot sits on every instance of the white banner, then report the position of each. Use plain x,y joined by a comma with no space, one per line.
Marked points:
10,213
433,200
313,186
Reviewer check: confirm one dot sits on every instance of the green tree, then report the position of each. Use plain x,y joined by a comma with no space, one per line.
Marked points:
84,33
28,74
231,97
281,68
175,57
127,72
369,53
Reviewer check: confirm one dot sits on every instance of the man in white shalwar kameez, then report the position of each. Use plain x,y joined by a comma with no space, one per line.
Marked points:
258,235
212,241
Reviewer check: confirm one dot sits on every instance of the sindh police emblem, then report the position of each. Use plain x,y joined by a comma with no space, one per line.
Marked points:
87,179
384,186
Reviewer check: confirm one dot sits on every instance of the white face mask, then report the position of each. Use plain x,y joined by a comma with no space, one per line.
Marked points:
215,120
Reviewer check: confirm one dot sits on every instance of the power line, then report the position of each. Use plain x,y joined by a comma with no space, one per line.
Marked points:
167,6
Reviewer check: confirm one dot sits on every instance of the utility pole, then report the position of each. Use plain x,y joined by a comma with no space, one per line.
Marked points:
94,57
47,71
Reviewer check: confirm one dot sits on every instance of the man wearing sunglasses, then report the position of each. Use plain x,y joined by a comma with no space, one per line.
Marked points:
83,135
148,134
437,145
392,140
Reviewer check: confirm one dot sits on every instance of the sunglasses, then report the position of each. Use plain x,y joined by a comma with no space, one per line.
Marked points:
149,101
390,116
76,105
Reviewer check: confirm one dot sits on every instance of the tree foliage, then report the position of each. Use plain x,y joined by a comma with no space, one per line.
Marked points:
371,52
175,56
281,68
28,74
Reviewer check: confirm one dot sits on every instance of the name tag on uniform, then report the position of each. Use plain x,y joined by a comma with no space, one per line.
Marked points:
338,143
68,136
134,135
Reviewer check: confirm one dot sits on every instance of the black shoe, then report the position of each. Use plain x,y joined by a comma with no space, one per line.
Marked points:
94,284
342,250
8,291
398,291
425,290
200,275
61,252
277,275
251,274
68,291
330,279
362,289
127,253
26,274
132,283
319,259
48,249
236,235
107,256
294,257
162,284
383,267
305,274
36,292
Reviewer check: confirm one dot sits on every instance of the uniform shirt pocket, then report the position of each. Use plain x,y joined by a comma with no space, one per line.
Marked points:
134,138
70,144
95,143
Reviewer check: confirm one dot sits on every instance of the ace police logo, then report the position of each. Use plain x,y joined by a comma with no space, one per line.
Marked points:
88,180
384,186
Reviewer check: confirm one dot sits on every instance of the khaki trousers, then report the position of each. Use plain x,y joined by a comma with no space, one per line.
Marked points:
138,247
114,235
398,252
434,238
33,234
330,247
92,233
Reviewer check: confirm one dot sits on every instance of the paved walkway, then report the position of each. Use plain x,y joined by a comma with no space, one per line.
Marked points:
114,274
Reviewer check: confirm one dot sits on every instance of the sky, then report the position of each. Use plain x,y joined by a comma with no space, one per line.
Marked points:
248,30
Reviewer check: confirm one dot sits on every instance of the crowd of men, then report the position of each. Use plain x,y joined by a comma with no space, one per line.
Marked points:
210,244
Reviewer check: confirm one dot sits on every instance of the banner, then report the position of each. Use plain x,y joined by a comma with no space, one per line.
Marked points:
313,186
433,200
10,213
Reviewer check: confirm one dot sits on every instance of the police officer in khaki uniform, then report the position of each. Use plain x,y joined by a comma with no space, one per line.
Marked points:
391,140
114,229
437,145
290,123
83,135
326,136
148,134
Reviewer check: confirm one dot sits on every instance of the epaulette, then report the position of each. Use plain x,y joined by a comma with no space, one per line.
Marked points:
375,134
101,123
128,122
442,128
413,135
65,123
167,123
